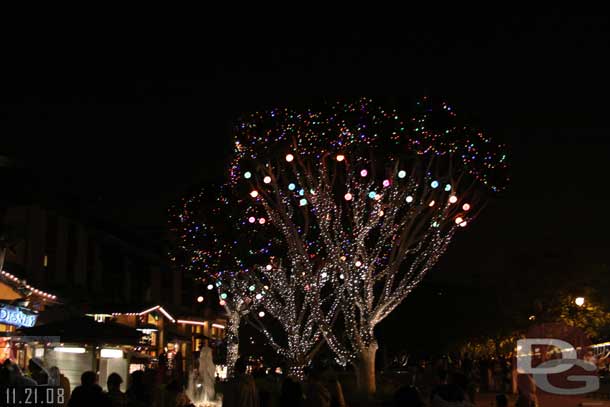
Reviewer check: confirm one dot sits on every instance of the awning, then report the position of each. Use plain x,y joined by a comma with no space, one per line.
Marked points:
87,331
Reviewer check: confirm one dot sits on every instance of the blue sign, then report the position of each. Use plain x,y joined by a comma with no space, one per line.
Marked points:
14,316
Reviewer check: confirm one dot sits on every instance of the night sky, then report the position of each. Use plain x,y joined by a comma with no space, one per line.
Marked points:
124,149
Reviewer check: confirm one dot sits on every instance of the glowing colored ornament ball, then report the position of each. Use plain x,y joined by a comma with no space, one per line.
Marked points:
372,194
358,263
259,296
223,296
466,207
448,187
452,199
459,220
269,267
210,287
409,199
431,204
289,158
261,314
251,219
348,197
340,157
262,221
200,299
254,193
222,302
386,183
303,202
252,288
267,179
402,174
247,175
364,173
434,184
463,224
291,186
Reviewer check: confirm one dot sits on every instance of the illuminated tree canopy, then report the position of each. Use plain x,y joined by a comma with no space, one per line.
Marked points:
343,210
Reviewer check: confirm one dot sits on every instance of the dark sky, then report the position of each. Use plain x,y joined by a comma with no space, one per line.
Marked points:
539,82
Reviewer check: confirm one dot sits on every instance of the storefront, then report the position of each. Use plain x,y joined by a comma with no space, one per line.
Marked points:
80,344
20,305
168,340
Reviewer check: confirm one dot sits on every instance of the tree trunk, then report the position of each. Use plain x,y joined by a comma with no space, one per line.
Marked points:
232,342
365,369
297,370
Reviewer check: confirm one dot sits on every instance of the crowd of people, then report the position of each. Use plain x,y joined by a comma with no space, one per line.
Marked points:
444,382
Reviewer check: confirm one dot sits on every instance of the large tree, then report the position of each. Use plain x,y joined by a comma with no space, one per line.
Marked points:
360,203
331,217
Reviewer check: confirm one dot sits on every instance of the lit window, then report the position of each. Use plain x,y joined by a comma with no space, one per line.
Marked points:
45,262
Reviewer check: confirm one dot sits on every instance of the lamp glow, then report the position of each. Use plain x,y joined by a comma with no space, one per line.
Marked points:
111,353
62,349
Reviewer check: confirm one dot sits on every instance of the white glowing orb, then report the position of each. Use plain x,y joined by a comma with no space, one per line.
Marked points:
251,219
289,157
254,193
466,207
348,196
262,221
580,301
459,220
409,199
261,314
402,174
358,263
431,204
324,275
200,299
463,224
210,287
269,267
452,199
259,296
364,173
247,175
340,157
303,202
267,179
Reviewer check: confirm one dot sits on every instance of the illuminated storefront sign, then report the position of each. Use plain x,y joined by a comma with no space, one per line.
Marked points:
14,316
